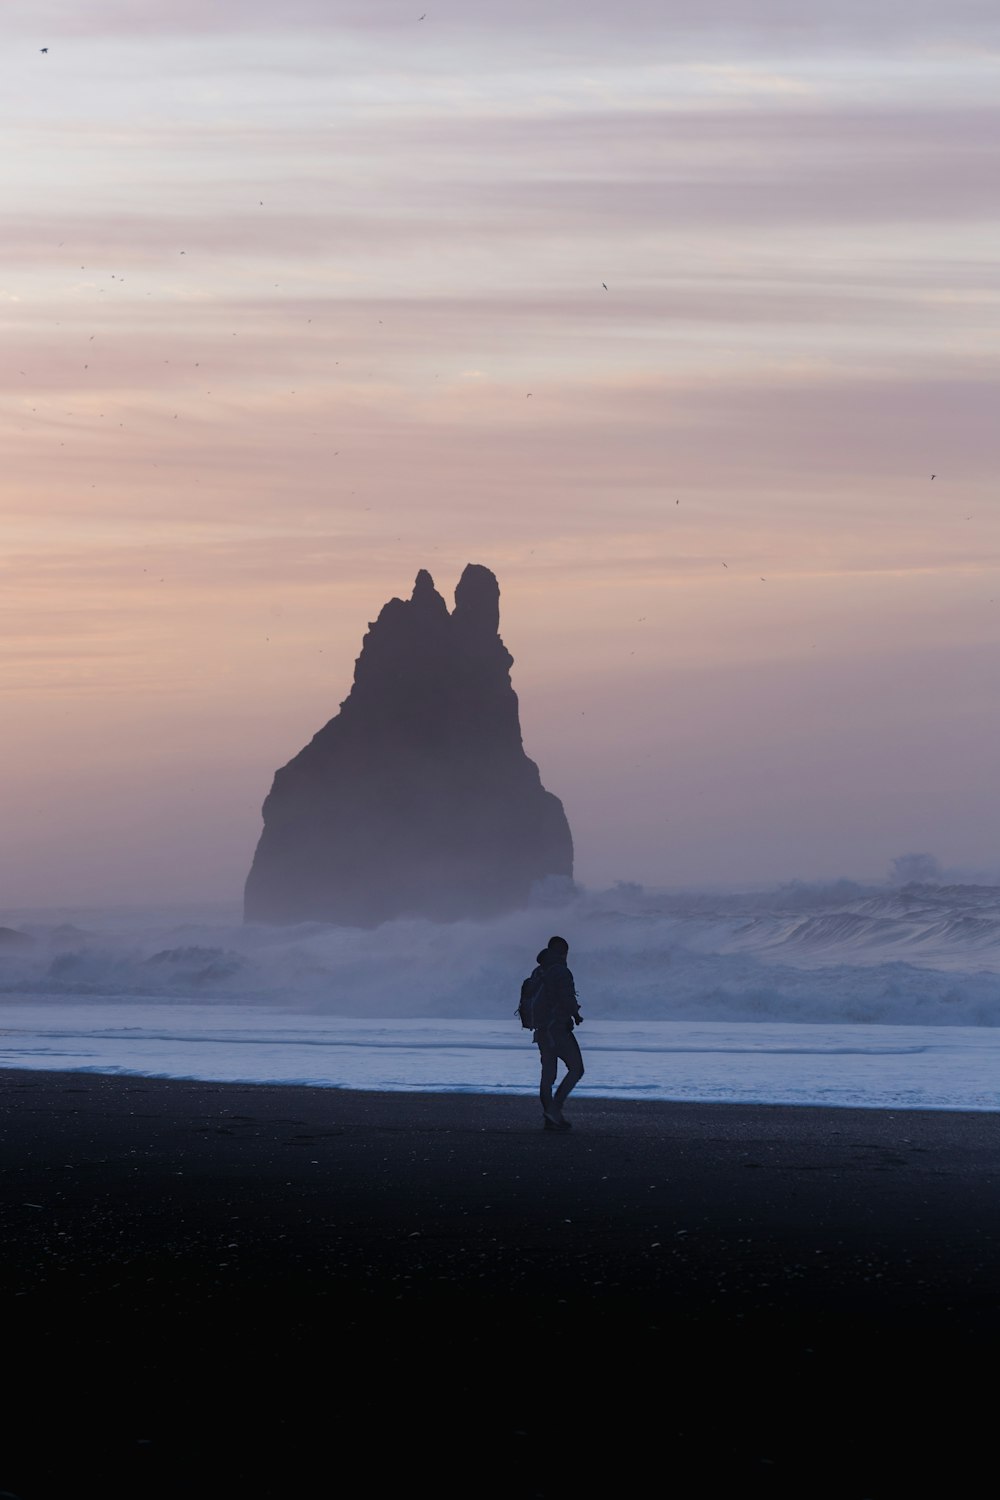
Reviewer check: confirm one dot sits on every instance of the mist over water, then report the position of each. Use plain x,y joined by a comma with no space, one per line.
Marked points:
844,953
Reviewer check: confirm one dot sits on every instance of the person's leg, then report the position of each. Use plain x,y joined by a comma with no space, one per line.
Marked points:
569,1051
550,1060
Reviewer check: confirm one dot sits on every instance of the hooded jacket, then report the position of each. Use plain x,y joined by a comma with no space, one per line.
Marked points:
555,1001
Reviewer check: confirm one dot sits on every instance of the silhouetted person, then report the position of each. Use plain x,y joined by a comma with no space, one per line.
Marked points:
555,1011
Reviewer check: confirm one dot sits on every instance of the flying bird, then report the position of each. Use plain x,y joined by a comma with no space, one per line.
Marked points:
604,284
933,476
43,49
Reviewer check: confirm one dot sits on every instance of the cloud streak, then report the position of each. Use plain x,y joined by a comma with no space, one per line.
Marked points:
792,20
295,301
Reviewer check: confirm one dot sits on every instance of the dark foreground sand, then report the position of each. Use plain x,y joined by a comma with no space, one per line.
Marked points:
216,1289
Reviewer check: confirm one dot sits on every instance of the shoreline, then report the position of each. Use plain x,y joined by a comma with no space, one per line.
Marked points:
926,1068
580,1095
211,1287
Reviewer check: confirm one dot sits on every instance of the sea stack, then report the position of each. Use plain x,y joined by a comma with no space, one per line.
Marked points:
417,800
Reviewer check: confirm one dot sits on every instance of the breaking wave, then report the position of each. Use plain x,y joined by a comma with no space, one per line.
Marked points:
927,955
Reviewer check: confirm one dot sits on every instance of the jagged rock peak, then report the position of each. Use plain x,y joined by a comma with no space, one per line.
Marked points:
477,600
417,799
425,594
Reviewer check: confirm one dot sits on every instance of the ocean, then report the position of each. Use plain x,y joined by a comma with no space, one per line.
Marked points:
841,994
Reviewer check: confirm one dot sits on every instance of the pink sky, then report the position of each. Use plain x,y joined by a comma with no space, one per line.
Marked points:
276,284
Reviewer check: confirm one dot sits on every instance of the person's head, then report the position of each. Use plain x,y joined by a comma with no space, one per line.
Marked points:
543,957
558,947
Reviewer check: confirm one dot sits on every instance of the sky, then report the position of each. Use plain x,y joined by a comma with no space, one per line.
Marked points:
299,299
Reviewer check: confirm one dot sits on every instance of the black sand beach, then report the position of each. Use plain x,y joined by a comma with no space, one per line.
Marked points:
215,1289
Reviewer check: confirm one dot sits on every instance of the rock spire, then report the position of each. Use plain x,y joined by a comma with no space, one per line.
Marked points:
417,799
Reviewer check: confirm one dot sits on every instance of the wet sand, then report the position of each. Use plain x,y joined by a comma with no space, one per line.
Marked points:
219,1289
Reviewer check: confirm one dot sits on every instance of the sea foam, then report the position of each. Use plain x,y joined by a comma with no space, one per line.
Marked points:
921,955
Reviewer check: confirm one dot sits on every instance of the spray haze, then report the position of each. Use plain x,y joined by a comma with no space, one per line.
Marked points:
846,953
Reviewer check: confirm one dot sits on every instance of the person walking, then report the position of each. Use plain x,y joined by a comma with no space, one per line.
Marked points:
555,1011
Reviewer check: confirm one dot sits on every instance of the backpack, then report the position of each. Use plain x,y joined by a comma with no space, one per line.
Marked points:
529,989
